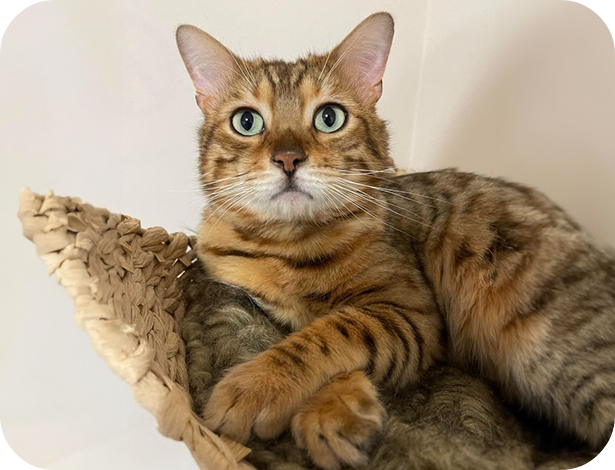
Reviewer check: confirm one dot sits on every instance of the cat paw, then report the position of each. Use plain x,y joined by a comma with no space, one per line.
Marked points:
340,423
253,398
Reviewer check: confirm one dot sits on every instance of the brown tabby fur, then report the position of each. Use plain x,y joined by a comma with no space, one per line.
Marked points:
391,274
448,420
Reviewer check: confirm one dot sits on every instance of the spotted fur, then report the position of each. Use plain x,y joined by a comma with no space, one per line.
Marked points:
382,275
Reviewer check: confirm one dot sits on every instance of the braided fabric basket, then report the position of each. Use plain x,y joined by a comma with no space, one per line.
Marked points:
126,282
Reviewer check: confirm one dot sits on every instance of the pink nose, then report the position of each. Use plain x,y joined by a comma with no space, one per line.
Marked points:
288,161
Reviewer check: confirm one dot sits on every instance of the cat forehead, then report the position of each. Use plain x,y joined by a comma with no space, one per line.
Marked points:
285,85
287,75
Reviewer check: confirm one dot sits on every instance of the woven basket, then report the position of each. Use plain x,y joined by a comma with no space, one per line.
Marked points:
126,282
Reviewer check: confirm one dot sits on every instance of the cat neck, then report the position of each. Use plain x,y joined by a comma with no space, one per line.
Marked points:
296,238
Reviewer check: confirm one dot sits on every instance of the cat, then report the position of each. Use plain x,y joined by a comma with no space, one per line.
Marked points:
379,276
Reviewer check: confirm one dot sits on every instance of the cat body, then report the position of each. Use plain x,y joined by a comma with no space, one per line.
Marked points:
506,280
379,277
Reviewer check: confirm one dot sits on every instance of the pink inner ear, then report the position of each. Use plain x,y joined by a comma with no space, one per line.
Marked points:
370,65
210,74
209,63
364,53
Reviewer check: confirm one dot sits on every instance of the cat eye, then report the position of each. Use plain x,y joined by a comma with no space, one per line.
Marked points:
247,122
330,118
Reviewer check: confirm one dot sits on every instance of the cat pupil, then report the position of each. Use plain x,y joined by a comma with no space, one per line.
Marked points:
247,120
328,116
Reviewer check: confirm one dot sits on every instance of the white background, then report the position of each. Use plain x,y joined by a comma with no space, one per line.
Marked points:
95,102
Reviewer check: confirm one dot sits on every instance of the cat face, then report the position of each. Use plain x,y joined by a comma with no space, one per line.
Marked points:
291,141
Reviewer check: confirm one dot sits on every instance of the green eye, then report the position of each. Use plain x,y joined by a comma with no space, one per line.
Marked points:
329,118
247,122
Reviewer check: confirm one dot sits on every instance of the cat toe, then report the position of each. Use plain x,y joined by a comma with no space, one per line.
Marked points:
340,424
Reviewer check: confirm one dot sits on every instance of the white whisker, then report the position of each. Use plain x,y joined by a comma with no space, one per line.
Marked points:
349,199
227,206
364,171
324,66
223,179
392,192
373,200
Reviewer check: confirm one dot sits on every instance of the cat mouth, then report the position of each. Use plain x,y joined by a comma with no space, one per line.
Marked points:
291,188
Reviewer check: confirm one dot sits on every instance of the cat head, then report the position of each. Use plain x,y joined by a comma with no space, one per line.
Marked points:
291,141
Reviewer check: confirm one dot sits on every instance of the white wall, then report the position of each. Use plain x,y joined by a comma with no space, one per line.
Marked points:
526,93
95,102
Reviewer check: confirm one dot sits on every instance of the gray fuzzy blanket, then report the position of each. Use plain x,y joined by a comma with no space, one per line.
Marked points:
451,419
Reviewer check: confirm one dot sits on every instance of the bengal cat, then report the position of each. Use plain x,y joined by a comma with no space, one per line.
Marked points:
378,275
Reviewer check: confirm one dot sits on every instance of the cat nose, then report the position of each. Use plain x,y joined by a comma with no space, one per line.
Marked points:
288,161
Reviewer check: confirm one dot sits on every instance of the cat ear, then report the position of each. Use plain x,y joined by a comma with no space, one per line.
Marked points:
210,64
362,56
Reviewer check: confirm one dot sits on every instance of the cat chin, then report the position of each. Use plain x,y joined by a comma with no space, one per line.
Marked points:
292,211
300,201
291,206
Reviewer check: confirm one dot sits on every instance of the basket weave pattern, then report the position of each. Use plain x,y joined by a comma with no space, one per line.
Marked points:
126,282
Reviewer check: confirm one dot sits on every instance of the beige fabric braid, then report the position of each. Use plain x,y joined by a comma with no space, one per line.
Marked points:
126,284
